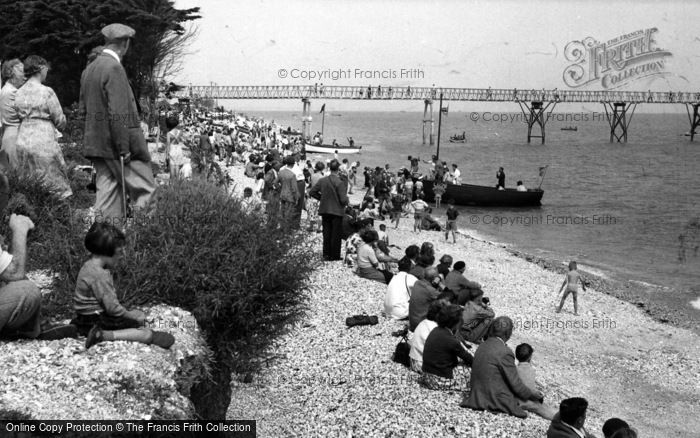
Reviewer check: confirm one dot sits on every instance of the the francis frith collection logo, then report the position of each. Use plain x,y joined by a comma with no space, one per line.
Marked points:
616,62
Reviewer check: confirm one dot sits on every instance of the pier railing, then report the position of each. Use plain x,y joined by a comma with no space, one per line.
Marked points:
430,93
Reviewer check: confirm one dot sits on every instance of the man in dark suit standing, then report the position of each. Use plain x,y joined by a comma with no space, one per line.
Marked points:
332,191
289,195
495,384
113,130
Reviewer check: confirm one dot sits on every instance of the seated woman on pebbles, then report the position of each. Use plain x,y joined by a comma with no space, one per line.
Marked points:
95,300
368,260
477,317
442,353
398,292
426,258
353,244
421,333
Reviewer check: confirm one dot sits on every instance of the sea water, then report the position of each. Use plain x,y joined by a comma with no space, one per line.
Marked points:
625,210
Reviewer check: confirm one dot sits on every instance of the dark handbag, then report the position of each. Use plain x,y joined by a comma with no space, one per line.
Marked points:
402,350
361,320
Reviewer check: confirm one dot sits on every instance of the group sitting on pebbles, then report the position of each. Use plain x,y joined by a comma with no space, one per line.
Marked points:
447,313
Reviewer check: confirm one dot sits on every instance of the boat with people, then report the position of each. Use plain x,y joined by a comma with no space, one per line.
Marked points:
317,148
290,131
475,195
457,138
484,196
570,128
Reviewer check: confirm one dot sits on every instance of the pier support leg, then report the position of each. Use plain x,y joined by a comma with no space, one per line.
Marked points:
535,115
306,120
616,113
428,112
694,119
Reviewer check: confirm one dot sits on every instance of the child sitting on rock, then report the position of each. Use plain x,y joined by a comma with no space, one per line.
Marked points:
95,300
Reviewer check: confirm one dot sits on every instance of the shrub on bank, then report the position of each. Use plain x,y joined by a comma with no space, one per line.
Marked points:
241,277
198,250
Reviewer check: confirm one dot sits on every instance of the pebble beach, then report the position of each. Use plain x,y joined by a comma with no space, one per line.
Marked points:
330,380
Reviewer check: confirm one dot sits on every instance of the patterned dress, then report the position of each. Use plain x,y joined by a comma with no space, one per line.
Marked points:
38,152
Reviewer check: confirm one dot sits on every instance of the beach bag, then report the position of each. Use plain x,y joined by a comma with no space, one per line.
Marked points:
361,320
403,349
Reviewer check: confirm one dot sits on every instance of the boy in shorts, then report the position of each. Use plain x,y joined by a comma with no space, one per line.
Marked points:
451,225
419,207
573,277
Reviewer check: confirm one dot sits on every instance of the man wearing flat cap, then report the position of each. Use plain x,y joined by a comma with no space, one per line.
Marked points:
112,128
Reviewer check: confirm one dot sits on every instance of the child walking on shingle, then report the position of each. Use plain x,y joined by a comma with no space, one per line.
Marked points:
573,278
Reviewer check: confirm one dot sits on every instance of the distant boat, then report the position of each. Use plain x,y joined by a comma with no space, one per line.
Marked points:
336,114
458,138
688,134
330,149
290,132
570,128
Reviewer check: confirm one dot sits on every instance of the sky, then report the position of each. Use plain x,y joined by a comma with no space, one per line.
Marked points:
449,43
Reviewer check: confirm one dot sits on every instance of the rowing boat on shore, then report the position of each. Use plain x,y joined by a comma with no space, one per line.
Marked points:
330,149
473,195
292,132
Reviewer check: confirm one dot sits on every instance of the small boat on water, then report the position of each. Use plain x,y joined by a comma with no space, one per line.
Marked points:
570,128
292,132
330,149
688,134
484,196
459,138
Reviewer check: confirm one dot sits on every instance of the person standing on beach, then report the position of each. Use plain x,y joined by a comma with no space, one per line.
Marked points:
105,90
331,191
13,78
419,207
289,195
301,190
451,225
573,277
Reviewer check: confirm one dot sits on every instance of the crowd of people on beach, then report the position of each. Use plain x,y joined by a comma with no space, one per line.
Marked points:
447,314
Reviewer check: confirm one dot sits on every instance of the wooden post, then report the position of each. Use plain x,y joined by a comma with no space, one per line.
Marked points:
439,125
428,107
535,114
616,114
306,119
694,120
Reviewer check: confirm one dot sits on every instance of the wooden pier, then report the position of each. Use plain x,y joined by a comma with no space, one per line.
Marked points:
619,105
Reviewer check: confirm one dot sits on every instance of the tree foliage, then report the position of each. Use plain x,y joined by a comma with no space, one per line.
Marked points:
64,32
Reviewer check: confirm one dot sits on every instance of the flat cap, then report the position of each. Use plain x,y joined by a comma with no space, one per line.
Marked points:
117,31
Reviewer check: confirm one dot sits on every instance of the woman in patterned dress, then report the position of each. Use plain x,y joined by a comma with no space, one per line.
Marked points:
41,115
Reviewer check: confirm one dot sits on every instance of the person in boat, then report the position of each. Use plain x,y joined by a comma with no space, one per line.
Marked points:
521,187
415,167
501,176
335,144
456,175
433,165
351,142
